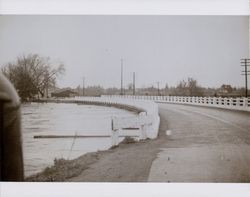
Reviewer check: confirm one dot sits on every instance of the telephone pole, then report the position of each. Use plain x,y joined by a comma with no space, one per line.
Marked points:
133,83
121,76
245,62
83,86
158,88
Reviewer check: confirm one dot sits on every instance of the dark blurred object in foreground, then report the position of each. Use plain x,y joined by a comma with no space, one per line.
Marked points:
11,158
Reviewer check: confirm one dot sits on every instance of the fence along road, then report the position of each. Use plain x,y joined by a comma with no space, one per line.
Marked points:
238,103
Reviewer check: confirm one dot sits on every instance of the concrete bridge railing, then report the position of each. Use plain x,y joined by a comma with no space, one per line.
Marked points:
239,103
147,122
145,125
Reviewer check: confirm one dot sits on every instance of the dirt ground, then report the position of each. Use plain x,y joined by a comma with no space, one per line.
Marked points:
128,162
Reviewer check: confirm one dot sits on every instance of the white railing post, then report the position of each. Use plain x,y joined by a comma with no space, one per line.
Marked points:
219,101
238,101
245,102
231,101
224,101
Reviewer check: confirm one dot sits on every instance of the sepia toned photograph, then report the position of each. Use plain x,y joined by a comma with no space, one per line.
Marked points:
124,98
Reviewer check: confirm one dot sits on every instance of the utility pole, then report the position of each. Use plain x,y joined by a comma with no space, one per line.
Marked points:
83,86
245,62
158,87
121,76
166,88
133,83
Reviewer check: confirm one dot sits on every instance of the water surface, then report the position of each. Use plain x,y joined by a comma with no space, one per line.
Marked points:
64,119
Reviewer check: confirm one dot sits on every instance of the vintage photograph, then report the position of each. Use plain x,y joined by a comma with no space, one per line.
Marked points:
124,98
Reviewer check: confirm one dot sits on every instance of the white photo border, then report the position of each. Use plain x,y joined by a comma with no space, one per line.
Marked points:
123,7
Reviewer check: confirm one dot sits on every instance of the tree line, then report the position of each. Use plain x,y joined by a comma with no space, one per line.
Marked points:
32,75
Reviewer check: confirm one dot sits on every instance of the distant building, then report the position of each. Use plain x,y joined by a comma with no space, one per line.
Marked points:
64,93
226,89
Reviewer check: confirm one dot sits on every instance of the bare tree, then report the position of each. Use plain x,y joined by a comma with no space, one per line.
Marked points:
189,88
32,75
181,89
194,88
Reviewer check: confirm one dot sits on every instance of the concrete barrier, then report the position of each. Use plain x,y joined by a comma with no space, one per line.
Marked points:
146,124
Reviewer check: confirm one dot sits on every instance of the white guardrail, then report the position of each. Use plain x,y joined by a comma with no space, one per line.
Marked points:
239,103
145,125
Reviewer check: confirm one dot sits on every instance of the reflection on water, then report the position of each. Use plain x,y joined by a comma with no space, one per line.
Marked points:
63,119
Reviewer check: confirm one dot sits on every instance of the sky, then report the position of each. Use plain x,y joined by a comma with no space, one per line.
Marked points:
164,49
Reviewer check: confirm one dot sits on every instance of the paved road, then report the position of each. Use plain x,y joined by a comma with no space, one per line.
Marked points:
206,145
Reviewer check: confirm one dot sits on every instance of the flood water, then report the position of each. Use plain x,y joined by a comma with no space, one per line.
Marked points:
64,119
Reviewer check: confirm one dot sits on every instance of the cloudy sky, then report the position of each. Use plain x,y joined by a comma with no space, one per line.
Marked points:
163,49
